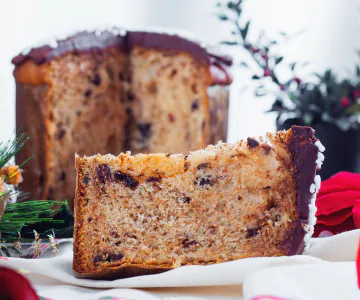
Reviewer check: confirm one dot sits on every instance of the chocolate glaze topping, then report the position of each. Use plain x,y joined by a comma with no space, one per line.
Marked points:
304,153
93,42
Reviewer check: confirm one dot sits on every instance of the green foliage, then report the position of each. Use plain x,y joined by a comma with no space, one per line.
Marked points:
326,99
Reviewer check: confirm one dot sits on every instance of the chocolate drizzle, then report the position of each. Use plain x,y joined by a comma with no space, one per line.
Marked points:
93,43
304,154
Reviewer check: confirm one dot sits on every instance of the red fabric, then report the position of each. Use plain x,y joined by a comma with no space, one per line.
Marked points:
358,265
15,286
338,204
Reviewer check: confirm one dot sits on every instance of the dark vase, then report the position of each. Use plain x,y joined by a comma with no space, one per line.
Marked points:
342,151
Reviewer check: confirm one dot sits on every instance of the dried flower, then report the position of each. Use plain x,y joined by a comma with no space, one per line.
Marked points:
37,243
53,244
17,245
11,174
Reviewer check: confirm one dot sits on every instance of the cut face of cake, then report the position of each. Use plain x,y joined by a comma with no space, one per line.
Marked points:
150,213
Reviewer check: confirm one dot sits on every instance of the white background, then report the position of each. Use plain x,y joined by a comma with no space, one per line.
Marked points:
331,36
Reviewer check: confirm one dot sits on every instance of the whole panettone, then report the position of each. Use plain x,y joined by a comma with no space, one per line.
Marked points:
112,92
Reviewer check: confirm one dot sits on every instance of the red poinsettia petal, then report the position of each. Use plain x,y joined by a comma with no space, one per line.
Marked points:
15,286
343,181
344,226
356,213
330,203
335,218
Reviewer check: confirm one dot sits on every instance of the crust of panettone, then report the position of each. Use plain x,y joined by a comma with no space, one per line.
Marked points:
30,106
293,233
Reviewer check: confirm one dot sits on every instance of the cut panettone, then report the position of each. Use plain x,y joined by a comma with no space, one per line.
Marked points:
149,213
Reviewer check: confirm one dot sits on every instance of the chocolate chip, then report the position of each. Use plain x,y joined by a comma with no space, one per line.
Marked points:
130,96
97,259
171,118
63,176
187,199
128,111
239,197
144,129
251,232
130,235
266,149
87,93
173,73
96,80
168,154
89,220
114,233
267,187
107,258
60,134
153,179
204,166
114,257
121,76
203,125
188,243
204,181
195,105
86,180
126,178
252,143
103,173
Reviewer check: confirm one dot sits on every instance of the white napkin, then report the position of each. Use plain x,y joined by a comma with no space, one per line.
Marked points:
330,261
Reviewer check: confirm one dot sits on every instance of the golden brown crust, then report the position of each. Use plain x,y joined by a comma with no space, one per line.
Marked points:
31,73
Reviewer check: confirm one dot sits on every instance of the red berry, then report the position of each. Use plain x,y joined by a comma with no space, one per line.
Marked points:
267,73
356,94
254,50
298,80
282,87
345,101
264,56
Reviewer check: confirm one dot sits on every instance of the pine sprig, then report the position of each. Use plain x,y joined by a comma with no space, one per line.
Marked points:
20,215
9,149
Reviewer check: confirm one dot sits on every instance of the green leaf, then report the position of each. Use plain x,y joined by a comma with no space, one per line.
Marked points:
292,66
229,43
244,64
308,118
223,17
255,77
245,30
278,60
357,70
327,75
283,33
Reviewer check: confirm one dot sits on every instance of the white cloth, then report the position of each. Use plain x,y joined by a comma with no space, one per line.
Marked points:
328,272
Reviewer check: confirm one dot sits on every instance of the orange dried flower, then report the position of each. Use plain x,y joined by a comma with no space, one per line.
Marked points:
11,174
